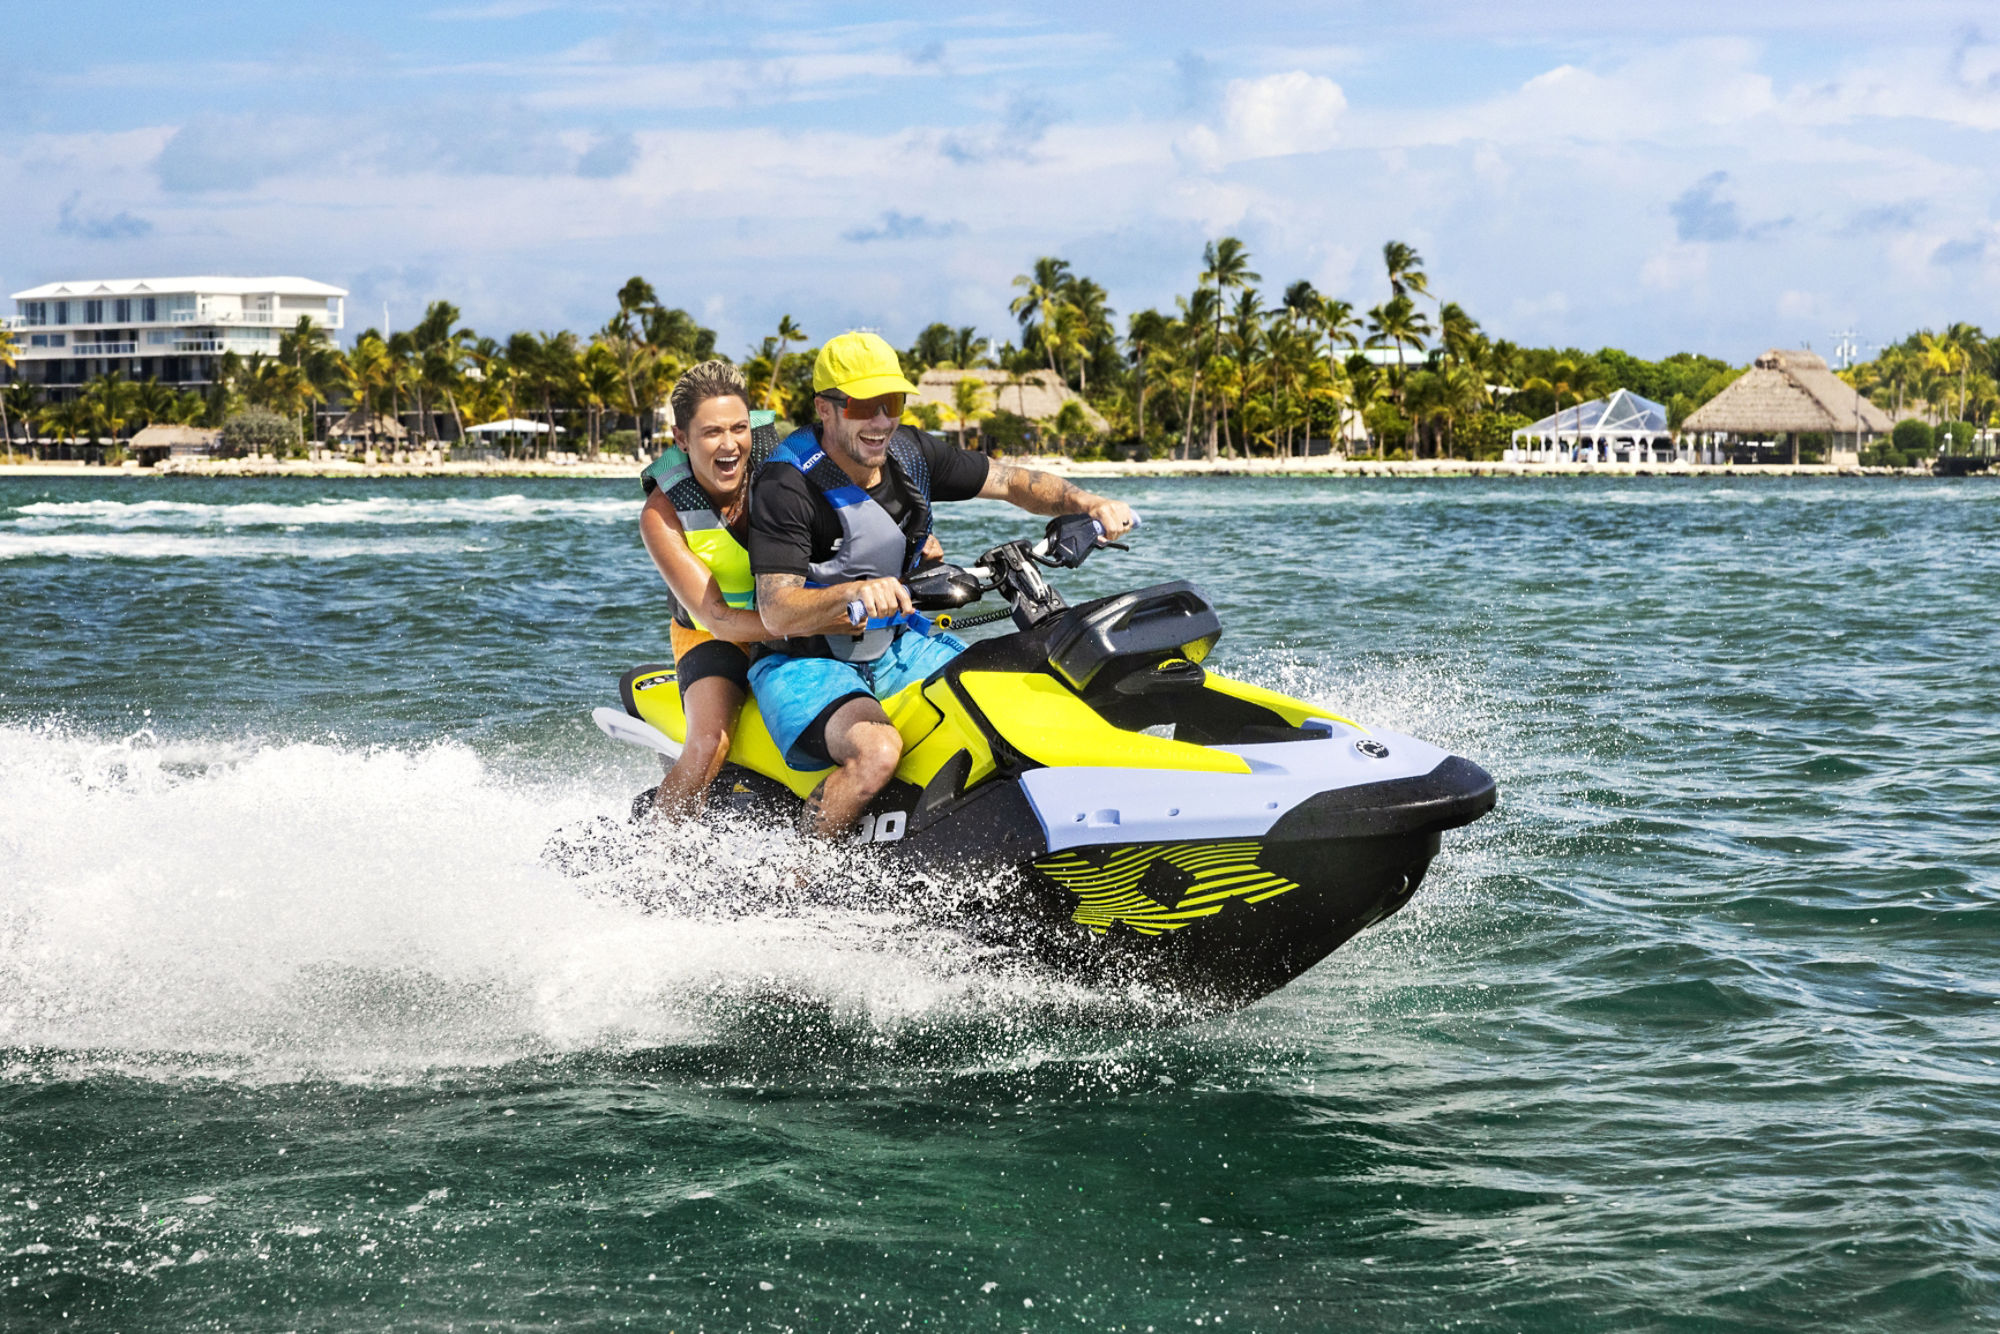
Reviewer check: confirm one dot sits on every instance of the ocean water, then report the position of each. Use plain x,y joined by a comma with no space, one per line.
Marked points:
1697,1032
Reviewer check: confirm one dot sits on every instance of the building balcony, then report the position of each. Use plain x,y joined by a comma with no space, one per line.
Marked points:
198,345
103,349
13,321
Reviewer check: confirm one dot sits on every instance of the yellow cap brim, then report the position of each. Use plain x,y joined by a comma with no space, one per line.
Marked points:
873,386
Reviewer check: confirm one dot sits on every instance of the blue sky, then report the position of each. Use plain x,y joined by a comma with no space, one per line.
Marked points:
1695,176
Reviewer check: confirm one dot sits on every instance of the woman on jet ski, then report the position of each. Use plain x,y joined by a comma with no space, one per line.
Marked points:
694,526
696,517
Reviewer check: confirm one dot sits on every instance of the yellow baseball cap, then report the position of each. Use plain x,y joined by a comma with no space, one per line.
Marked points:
860,365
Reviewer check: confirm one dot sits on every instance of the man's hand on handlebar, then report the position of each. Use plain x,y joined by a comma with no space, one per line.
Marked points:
1115,516
879,597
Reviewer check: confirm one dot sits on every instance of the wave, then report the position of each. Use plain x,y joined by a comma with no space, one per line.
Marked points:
193,546
43,516
313,904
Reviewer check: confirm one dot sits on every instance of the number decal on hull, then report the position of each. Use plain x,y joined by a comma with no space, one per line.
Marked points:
884,828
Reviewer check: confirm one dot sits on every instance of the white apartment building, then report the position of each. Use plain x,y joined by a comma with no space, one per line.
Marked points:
173,329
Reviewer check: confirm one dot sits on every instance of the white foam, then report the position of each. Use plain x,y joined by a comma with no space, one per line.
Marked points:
319,904
391,510
195,546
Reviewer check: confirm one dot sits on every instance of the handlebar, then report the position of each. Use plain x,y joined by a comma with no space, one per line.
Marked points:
1009,567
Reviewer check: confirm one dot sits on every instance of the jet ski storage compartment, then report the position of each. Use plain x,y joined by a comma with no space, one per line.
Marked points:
1101,643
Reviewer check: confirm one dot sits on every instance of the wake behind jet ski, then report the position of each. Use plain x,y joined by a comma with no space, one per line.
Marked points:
1165,824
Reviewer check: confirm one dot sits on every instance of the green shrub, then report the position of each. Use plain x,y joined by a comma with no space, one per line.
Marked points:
259,431
1486,435
622,442
1914,438
1005,432
1956,437
1386,424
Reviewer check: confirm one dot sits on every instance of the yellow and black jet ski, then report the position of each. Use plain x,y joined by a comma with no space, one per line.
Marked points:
1168,825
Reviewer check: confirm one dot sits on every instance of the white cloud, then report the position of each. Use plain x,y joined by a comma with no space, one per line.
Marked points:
1797,305
1675,267
1278,115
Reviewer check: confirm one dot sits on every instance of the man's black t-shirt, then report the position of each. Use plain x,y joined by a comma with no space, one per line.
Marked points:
792,525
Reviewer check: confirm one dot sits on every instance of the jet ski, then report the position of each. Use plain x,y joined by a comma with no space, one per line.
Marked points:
1163,824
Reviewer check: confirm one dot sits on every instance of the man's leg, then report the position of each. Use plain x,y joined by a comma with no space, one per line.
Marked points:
867,747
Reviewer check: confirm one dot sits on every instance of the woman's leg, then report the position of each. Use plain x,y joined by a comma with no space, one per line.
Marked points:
712,704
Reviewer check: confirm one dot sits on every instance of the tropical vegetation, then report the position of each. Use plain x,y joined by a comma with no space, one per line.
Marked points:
1231,368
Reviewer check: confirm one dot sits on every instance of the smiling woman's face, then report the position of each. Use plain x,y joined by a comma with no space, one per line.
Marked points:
717,443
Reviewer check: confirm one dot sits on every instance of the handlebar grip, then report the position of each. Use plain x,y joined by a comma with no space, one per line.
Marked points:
857,613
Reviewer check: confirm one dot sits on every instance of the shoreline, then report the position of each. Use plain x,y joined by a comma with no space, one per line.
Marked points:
1063,467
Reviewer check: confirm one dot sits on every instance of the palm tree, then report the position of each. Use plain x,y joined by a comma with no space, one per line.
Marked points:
1145,332
109,399
1225,267
968,403
1042,288
965,352
367,373
1397,322
596,382
1069,423
8,351
1200,310
1090,327
789,332
65,421
1458,332
18,401
1406,272
555,363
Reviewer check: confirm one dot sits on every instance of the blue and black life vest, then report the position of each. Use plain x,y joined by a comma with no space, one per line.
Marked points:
873,545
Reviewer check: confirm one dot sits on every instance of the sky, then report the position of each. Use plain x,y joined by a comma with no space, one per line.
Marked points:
1694,176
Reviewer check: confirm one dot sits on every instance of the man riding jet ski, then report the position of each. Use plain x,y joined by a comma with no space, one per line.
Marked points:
838,515
1164,823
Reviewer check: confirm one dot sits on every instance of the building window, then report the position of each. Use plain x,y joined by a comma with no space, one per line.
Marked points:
61,313
121,310
38,340
57,340
93,312
149,309
158,335
36,312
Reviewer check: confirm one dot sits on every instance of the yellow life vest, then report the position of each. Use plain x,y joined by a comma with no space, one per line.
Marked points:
708,537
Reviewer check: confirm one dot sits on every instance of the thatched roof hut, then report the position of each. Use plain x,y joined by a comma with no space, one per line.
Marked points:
178,439
1788,393
1038,395
359,425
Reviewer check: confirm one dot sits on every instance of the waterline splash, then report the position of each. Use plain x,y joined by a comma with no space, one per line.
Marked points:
318,903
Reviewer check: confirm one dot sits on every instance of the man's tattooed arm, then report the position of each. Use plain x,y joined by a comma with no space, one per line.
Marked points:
1041,493
1035,492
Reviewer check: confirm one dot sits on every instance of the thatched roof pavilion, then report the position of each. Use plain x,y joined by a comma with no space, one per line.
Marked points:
179,439
155,443
1788,393
1038,395
358,425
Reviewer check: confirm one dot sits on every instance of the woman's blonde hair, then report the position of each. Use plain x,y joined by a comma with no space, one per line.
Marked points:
698,384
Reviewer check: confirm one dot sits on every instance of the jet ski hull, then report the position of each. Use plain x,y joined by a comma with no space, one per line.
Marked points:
1084,792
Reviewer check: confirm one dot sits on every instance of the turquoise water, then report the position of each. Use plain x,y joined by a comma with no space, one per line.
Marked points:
1698,1031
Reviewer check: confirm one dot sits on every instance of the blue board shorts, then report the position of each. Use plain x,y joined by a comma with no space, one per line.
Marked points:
795,693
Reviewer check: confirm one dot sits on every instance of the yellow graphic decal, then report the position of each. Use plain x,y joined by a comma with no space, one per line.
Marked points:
1107,893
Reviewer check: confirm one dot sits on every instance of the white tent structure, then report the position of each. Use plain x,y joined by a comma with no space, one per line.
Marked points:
1623,428
512,426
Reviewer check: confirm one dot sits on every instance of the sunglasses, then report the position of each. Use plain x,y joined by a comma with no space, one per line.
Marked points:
866,409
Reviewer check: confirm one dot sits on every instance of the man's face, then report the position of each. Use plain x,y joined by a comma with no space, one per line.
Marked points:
864,438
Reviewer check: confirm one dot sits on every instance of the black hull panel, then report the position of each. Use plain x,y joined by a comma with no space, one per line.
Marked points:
1216,923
